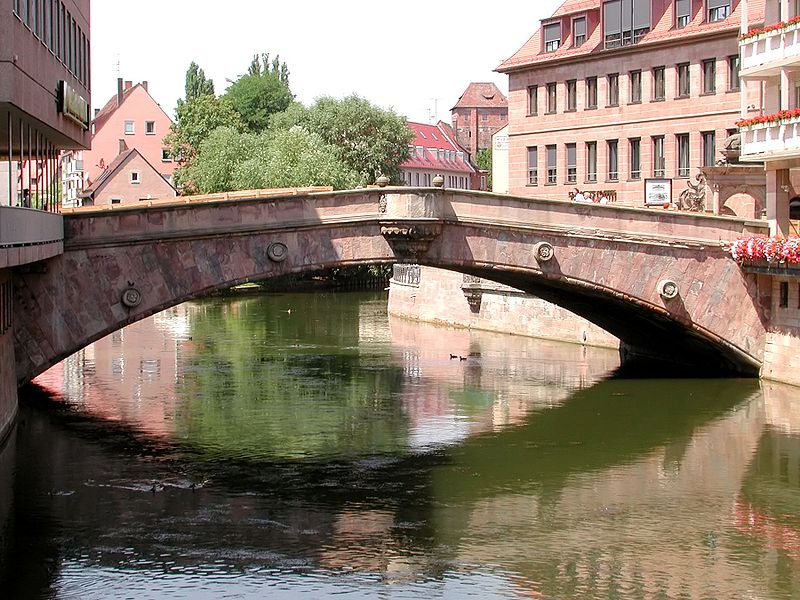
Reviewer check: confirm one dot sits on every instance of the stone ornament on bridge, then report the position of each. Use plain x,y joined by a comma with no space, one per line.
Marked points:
543,252
667,289
277,252
131,298
410,240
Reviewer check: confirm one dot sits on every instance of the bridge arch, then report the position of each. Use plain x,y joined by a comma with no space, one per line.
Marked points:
607,264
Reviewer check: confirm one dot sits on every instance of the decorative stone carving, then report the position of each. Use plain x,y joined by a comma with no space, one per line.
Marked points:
731,150
382,203
131,297
410,239
473,297
667,289
382,181
693,198
438,181
277,252
543,252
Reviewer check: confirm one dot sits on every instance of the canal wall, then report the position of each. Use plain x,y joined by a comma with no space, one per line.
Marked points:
445,297
781,356
8,380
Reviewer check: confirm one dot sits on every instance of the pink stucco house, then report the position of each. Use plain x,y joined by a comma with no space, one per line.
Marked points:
130,178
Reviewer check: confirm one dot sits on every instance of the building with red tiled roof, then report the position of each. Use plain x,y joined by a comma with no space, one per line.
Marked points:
480,111
607,94
433,152
131,115
128,179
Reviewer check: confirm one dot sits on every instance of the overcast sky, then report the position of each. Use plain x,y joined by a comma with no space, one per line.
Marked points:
416,56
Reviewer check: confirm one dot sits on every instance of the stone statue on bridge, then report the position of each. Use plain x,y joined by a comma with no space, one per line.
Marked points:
693,198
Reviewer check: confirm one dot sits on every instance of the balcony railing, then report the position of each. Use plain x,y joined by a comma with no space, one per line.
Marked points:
765,53
765,140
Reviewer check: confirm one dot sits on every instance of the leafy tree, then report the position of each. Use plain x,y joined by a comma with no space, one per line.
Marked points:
196,83
484,161
262,92
371,141
220,153
195,120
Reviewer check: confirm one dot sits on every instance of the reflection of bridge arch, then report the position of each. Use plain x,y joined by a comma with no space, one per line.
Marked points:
120,266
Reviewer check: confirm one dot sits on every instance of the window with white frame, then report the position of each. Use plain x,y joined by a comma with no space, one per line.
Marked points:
734,83
682,140
659,158
613,160
625,22
572,163
167,157
683,13
552,37
533,100
533,165
591,92
709,148
136,177
635,151
579,31
591,161
150,127
710,76
718,10
552,167
130,128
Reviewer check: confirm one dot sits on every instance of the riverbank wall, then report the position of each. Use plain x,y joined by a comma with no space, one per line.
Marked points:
8,379
448,298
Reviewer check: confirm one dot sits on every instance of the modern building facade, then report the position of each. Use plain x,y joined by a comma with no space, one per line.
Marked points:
130,119
44,94
625,97
433,152
480,111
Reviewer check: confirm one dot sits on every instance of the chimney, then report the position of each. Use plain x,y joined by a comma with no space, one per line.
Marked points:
144,85
119,91
96,112
128,85
122,147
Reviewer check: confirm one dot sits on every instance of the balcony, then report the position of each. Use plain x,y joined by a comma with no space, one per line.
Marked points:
764,55
772,140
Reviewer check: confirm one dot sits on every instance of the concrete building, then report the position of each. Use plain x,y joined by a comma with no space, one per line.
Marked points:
625,97
433,152
131,115
480,111
129,179
44,108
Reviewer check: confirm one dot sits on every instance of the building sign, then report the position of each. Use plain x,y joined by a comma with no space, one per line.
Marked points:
657,192
73,105
501,142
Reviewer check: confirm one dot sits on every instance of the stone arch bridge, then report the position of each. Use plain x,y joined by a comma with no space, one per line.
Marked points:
659,280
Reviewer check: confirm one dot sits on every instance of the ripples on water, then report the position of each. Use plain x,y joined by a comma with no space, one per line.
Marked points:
306,445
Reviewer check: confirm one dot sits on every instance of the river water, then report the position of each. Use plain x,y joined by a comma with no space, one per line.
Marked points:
307,445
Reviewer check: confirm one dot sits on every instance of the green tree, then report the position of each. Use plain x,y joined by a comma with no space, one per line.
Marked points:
196,83
262,92
371,141
194,122
483,159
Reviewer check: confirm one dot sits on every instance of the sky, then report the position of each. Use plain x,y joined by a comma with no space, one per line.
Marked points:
416,56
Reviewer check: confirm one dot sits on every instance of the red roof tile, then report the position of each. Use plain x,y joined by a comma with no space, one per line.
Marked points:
531,52
482,95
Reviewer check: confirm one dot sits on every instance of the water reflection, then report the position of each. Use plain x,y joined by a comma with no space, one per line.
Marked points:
306,445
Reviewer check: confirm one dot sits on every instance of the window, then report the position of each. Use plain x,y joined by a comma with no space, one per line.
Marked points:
129,128
682,140
636,87
591,161
683,13
116,200
783,301
636,158
135,177
718,10
710,76
552,37
659,159
533,165
659,87
613,89
613,160
733,73
709,148
552,170
551,98
591,92
572,95
150,127
684,88
572,163
165,155
533,100
625,22
579,31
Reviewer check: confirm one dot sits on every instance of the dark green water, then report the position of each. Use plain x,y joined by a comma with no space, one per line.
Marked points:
309,446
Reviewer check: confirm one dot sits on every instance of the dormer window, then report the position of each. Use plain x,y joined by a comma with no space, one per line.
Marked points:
552,37
579,31
718,10
625,22
683,13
